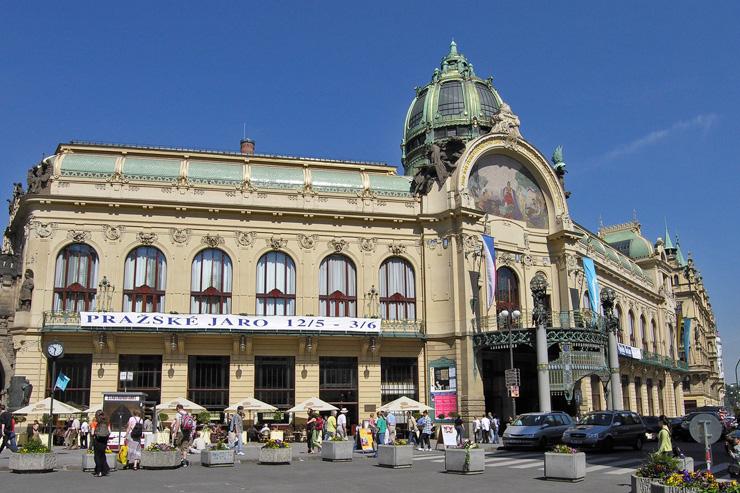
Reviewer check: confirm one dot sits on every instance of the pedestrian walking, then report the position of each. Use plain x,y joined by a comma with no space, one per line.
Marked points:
331,425
183,427
460,430
342,423
236,429
665,446
7,430
310,427
134,432
476,429
84,434
100,443
318,431
413,430
382,426
372,425
392,421
425,424
495,428
485,425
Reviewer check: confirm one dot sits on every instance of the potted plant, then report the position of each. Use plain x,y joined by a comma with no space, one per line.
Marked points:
33,457
693,482
564,463
218,455
466,459
398,455
657,467
337,449
203,418
88,460
276,452
160,456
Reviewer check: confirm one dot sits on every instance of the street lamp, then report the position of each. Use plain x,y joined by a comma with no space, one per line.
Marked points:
509,319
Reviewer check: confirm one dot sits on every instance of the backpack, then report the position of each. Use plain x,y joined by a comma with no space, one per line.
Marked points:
187,424
137,430
319,423
101,430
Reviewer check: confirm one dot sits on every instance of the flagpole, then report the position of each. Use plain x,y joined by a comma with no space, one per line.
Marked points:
51,404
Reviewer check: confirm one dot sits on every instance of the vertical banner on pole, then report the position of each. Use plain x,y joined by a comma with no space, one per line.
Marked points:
592,283
490,254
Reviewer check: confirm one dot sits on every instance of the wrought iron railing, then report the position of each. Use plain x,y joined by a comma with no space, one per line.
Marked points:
574,319
656,359
61,319
402,327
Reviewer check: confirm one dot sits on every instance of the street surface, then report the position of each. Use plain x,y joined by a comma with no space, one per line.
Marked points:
508,470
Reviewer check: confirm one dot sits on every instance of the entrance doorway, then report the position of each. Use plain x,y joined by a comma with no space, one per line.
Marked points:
338,384
208,381
493,364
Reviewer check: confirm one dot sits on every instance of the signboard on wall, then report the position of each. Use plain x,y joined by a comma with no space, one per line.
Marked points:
629,351
193,321
444,402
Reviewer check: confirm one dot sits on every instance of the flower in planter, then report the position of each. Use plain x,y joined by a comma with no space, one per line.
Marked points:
704,482
336,438
220,445
91,451
563,449
34,446
400,442
276,444
159,447
658,466
467,445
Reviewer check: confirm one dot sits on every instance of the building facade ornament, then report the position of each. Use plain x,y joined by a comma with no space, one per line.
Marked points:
39,177
113,233
368,244
507,123
277,243
146,238
307,242
43,230
179,236
338,244
246,238
78,236
212,241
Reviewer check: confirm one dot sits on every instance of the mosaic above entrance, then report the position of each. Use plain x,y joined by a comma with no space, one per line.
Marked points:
503,187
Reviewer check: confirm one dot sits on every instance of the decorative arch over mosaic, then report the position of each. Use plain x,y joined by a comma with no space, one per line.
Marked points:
502,186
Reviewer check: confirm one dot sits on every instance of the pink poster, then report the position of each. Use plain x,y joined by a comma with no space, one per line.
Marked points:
445,402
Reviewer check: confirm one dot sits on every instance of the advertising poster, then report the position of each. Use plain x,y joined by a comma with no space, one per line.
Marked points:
366,439
445,402
449,435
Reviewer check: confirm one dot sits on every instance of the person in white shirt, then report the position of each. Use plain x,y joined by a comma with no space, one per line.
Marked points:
485,425
198,444
476,429
84,432
342,423
74,431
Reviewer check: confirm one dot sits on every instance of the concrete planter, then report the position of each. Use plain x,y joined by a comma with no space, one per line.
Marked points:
32,462
160,460
339,451
455,459
213,458
88,461
396,457
661,488
640,484
276,455
565,467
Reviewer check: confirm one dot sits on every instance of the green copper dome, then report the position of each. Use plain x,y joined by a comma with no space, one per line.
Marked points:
456,103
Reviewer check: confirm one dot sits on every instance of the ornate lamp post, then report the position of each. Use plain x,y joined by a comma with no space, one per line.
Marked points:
509,319
612,326
538,286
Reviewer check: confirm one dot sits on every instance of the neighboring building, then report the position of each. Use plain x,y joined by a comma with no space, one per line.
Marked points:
179,232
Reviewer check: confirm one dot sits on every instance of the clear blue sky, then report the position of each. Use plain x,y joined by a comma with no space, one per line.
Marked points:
643,95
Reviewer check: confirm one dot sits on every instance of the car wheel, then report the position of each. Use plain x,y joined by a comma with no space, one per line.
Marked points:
608,444
542,444
638,443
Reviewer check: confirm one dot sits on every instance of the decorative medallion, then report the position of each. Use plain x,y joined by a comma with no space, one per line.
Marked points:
505,259
527,260
338,244
113,233
307,242
277,243
78,236
368,244
212,241
179,236
397,248
245,238
43,230
146,238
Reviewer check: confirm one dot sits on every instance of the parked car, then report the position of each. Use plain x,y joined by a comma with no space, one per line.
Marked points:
682,430
606,430
652,427
536,429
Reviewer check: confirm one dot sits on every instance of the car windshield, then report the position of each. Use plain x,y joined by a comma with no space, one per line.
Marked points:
529,420
599,419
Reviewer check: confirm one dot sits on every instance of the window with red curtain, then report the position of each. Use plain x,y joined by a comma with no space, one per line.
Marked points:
397,290
276,284
144,280
210,282
337,287
75,278
507,290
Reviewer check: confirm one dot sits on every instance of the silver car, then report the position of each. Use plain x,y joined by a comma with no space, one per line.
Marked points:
536,430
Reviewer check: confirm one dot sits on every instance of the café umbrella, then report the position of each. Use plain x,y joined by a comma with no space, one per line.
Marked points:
187,405
405,404
42,407
251,404
315,404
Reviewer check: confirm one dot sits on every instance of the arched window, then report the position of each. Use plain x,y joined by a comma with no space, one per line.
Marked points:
672,342
275,284
144,280
618,314
643,332
75,278
586,300
337,287
507,290
397,290
210,282
675,280
631,322
654,336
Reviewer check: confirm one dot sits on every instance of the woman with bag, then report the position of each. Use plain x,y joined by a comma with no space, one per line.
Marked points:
134,432
100,443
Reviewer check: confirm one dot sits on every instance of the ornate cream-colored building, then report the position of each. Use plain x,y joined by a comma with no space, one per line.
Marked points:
126,229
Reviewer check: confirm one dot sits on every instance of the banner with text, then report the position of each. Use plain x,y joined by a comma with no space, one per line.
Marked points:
124,320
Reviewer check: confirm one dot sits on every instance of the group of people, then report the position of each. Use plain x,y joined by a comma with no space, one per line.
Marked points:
319,429
384,429
487,428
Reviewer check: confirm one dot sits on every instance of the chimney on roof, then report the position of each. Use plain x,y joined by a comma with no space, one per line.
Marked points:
246,147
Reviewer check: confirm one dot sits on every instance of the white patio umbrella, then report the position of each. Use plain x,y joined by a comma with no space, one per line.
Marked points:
251,404
42,407
405,404
94,409
187,405
313,403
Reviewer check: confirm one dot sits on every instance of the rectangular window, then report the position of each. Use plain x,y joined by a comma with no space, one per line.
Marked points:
625,392
78,367
208,381
638,394
399,377
142,373
651,401
338,384
274,380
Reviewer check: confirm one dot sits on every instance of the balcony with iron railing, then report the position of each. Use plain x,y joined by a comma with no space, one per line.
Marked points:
662,361
573,319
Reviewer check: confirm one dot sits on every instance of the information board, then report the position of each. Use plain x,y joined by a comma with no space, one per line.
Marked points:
445,402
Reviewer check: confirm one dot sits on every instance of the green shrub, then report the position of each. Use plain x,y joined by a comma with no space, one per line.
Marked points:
34,446
203,417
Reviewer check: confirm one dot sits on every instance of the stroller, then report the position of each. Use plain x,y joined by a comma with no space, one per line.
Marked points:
734,468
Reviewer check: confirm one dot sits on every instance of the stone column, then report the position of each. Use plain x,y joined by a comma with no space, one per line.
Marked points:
607,302
538,285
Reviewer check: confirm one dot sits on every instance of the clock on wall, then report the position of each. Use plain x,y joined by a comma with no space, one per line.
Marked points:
54,350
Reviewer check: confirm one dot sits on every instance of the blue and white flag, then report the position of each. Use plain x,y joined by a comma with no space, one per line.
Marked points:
490,268
687,336
591,283
62,381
